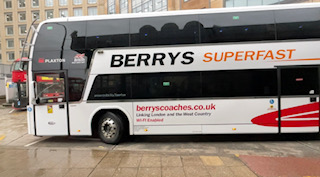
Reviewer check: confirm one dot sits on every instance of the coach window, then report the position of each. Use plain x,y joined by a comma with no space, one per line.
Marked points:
166,85
75,37
239,83
107,33
166,30
60,38
56,31
49,48
76,81
39,62
76,58
111,87
299,81
50,88
76,64
298,23
237,27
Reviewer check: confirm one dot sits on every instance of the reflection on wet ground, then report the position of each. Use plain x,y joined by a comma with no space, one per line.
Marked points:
67,162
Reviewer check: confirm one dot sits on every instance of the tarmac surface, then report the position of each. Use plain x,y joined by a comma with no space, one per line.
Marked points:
163,156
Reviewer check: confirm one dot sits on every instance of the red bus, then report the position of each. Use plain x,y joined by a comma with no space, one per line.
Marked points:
19,70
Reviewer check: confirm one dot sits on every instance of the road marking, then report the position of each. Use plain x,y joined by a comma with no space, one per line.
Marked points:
30,144
211,161
11,111
2,137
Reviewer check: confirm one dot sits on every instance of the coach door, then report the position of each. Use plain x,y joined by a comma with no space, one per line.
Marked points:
299,99
51,108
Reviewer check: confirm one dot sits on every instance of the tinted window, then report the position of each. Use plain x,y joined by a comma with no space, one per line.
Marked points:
109,87
55,36
57,60
107,33
17,65
74,60
76,64
298,23
237,27
38,60
62,46
164,30
239,83
51,37
76,33
76,81
50,87
299,81
59,41
166,85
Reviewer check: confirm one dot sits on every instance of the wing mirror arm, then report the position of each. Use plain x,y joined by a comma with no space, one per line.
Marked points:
36,99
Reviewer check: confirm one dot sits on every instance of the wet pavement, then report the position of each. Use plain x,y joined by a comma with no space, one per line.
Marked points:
67,162
215,155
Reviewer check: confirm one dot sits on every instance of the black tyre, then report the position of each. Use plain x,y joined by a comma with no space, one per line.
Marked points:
110,128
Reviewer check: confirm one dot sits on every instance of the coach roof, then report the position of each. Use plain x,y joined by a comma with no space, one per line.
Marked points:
185,12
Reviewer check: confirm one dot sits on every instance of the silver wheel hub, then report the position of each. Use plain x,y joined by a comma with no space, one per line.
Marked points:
109,128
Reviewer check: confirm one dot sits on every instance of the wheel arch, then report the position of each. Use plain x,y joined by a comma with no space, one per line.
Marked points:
95,117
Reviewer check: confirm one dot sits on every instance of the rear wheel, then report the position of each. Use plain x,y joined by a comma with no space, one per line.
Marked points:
111,128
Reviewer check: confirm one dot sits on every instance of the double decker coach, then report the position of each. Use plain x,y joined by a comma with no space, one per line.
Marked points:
209,71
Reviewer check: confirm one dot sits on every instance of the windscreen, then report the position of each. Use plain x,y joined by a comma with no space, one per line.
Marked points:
50,88
19,65
60,46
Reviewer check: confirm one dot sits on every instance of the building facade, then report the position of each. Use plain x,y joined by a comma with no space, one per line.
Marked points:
16,16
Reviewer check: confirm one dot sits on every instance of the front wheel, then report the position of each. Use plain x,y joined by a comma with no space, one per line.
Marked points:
111,128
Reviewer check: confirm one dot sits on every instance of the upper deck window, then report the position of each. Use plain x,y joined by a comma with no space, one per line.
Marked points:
116,35
165,30
237,27
67,35
298,23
